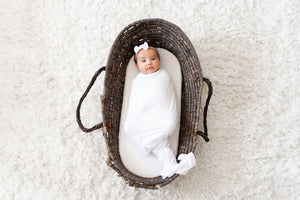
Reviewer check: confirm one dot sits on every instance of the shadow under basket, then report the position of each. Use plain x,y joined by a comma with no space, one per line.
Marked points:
160,34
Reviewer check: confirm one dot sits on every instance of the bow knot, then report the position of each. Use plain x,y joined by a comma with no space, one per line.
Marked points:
142,46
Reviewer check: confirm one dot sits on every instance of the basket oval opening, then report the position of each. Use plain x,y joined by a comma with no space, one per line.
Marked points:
160,34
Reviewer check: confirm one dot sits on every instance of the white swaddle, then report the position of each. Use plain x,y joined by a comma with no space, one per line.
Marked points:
152,117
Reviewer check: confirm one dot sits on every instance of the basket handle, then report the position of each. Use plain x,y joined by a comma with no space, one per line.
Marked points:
210,91
78,118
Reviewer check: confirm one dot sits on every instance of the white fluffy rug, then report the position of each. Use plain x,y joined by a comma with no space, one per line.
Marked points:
50,49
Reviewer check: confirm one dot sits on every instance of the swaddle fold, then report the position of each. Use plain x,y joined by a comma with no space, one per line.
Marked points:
152,116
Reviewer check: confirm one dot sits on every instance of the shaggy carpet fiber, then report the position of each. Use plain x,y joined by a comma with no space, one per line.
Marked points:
50,50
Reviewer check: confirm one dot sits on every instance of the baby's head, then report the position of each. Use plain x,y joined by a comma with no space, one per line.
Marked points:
146,58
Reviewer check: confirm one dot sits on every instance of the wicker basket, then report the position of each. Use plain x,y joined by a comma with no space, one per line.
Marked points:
161,34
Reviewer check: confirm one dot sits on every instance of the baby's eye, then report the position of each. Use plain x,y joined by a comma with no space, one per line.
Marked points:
153,59
143,60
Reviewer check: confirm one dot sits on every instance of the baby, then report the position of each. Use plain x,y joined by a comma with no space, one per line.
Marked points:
153,114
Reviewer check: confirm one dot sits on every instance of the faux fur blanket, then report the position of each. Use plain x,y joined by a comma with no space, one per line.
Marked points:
49,51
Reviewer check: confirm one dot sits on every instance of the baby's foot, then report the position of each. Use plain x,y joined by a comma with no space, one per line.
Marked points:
187,161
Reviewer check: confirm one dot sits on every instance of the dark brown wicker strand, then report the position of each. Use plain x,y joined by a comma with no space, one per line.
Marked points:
161,34
78,118
210,92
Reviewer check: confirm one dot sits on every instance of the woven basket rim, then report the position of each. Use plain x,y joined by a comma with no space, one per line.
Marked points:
161,34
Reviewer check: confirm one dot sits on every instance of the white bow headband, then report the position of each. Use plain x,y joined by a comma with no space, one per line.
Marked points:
142,46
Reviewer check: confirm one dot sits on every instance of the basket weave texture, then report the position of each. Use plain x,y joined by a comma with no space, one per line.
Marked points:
160,34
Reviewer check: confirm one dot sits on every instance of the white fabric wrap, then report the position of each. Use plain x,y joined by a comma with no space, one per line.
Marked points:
152,117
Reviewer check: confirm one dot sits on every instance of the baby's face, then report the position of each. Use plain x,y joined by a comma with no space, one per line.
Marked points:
147,61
